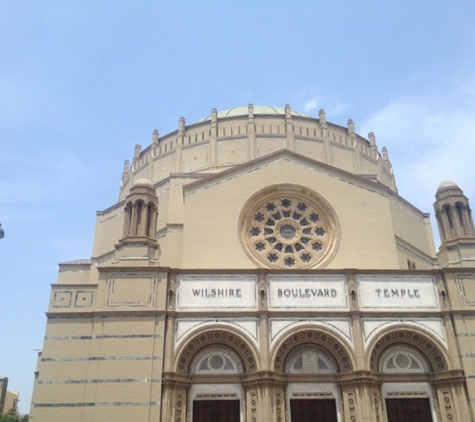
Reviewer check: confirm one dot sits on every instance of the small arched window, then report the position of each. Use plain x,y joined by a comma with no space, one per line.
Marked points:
460,211
402,359
310,359
448,212
216,360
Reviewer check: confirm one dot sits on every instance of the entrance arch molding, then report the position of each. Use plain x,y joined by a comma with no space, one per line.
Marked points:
215,335
319,336
429,347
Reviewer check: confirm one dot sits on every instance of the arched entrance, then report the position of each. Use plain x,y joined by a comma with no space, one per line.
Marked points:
216,395
313,362
411,400
312,401
417,383
208,381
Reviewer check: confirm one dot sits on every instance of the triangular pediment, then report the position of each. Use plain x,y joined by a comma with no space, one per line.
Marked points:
207,179
365,181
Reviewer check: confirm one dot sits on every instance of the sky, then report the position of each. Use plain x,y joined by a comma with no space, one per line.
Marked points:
82,82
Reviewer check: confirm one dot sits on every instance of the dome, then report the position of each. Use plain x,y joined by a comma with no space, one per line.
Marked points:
448,184
228,138
244,111
143,182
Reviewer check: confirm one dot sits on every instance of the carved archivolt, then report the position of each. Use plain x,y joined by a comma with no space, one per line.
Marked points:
216,337
326,341
407,336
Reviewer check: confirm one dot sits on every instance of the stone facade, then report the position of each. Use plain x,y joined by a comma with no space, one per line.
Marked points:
260,265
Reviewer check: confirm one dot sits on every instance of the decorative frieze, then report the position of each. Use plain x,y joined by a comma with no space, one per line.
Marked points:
447,406
253,406
351,405
179,411
278,407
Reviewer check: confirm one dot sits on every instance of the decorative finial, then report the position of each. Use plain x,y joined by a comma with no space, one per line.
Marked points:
351,126
372,139
155,136
288,111
321,116
181,124
126,167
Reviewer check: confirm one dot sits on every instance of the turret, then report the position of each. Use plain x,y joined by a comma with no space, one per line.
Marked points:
140,223
456,229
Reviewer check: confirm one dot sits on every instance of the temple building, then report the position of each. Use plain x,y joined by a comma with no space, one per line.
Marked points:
260,265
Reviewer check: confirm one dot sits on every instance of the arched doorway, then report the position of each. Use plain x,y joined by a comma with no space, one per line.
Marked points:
418,382
207,382
216,394
312,394
406,393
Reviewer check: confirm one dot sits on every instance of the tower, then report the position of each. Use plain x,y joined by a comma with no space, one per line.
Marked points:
457,233
138,243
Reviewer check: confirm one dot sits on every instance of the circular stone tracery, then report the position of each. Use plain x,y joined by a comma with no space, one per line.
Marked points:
288,227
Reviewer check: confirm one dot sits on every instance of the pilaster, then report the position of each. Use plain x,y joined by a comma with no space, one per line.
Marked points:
213,140
251,133
289,129
325,136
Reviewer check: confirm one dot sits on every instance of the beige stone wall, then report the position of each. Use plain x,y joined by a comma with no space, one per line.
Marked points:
108,363
366,222
376,217
126,327
115,362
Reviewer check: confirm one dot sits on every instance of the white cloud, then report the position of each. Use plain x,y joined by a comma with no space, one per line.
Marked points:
335,109
430,139
331,108
312,104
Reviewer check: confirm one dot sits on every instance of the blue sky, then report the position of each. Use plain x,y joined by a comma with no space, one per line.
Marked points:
82,82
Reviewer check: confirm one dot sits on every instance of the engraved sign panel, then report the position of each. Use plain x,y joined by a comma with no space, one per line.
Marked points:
402,293
216,292
310,292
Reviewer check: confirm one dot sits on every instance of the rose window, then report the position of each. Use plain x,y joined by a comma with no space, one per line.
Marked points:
289,230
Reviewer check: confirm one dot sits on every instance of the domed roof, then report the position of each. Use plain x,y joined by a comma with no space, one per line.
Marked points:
143,182
244,111
448,184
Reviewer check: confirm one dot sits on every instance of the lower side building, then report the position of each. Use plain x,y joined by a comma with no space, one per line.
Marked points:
252,347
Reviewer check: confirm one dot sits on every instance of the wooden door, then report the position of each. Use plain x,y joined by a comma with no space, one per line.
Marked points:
313,410
216,411
408,410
